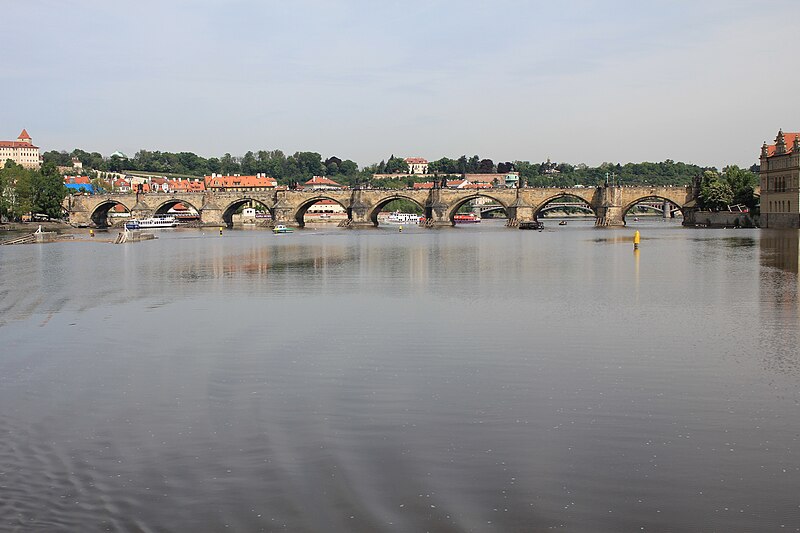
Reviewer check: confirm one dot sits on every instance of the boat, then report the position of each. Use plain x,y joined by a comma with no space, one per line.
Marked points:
465,218
280,228
534,224
562,223
402,218
153,222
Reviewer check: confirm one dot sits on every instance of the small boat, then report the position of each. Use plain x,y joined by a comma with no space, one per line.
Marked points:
155,221
534,224
465,218
280,228
562,223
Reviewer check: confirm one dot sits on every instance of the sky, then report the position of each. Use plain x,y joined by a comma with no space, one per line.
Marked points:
701,81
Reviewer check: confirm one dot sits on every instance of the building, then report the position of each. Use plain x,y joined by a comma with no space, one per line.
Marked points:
779,175
321,183
22,152
187,185
417,165
326,209
259,182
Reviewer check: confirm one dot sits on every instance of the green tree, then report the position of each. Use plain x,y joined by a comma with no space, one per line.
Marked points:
249,164
715,193
47,191
396,165
742,183
486,166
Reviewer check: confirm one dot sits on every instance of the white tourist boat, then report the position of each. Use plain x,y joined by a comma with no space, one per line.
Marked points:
155,221
402,218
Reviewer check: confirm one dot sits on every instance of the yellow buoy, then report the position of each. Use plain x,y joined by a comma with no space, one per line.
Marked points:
220,230
401,229
636,239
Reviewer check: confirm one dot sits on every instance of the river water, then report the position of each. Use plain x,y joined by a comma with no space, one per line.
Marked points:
465,379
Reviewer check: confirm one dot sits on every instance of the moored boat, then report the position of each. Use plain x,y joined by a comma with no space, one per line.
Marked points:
465,218
153,222
533,224
402,218
280,228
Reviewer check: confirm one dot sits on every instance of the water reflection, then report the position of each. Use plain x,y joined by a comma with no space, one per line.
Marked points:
780,320
469,380
780,249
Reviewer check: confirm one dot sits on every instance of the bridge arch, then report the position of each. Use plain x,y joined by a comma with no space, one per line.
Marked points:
652,197
230,210
300,212
453,208
372,213
545,206
172,202
99,214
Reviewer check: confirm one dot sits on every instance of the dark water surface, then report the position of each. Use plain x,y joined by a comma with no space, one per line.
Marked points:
468,379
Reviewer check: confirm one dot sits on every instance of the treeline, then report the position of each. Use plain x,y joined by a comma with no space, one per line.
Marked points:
301,166
24,191
734,186
298,167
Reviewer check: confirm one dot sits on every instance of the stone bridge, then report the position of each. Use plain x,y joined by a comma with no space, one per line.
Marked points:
609,203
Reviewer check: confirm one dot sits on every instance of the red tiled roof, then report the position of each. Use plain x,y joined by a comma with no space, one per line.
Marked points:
80,180
321,180
16,144
789,138
426,185
416,160
24,134
239,181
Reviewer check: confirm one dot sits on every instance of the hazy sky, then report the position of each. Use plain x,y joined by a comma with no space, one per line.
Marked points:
581,81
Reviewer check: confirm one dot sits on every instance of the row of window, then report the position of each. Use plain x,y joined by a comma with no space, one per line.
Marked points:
781,184
780,206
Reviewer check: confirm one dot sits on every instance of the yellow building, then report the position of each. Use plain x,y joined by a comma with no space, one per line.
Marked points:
22,152
779,174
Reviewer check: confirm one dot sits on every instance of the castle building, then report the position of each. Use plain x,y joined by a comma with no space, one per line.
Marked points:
779,175
22,152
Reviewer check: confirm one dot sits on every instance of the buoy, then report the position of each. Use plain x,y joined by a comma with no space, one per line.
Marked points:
401,229
636,240
91,233
220,230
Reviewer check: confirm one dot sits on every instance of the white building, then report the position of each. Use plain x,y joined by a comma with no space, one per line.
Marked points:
22,152
417,165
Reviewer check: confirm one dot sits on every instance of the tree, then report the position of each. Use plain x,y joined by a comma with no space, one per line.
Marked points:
249,164
47,191
742,183
473,163
228,165
715,193
348,167
504,168
396,165
444,165
486,166
462,165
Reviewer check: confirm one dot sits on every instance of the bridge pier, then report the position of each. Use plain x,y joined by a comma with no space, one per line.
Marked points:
609,216
210,216
609,212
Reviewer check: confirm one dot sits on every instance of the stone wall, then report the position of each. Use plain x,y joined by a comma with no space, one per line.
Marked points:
719,219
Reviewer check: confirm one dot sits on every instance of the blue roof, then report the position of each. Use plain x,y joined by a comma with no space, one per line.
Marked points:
88,187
